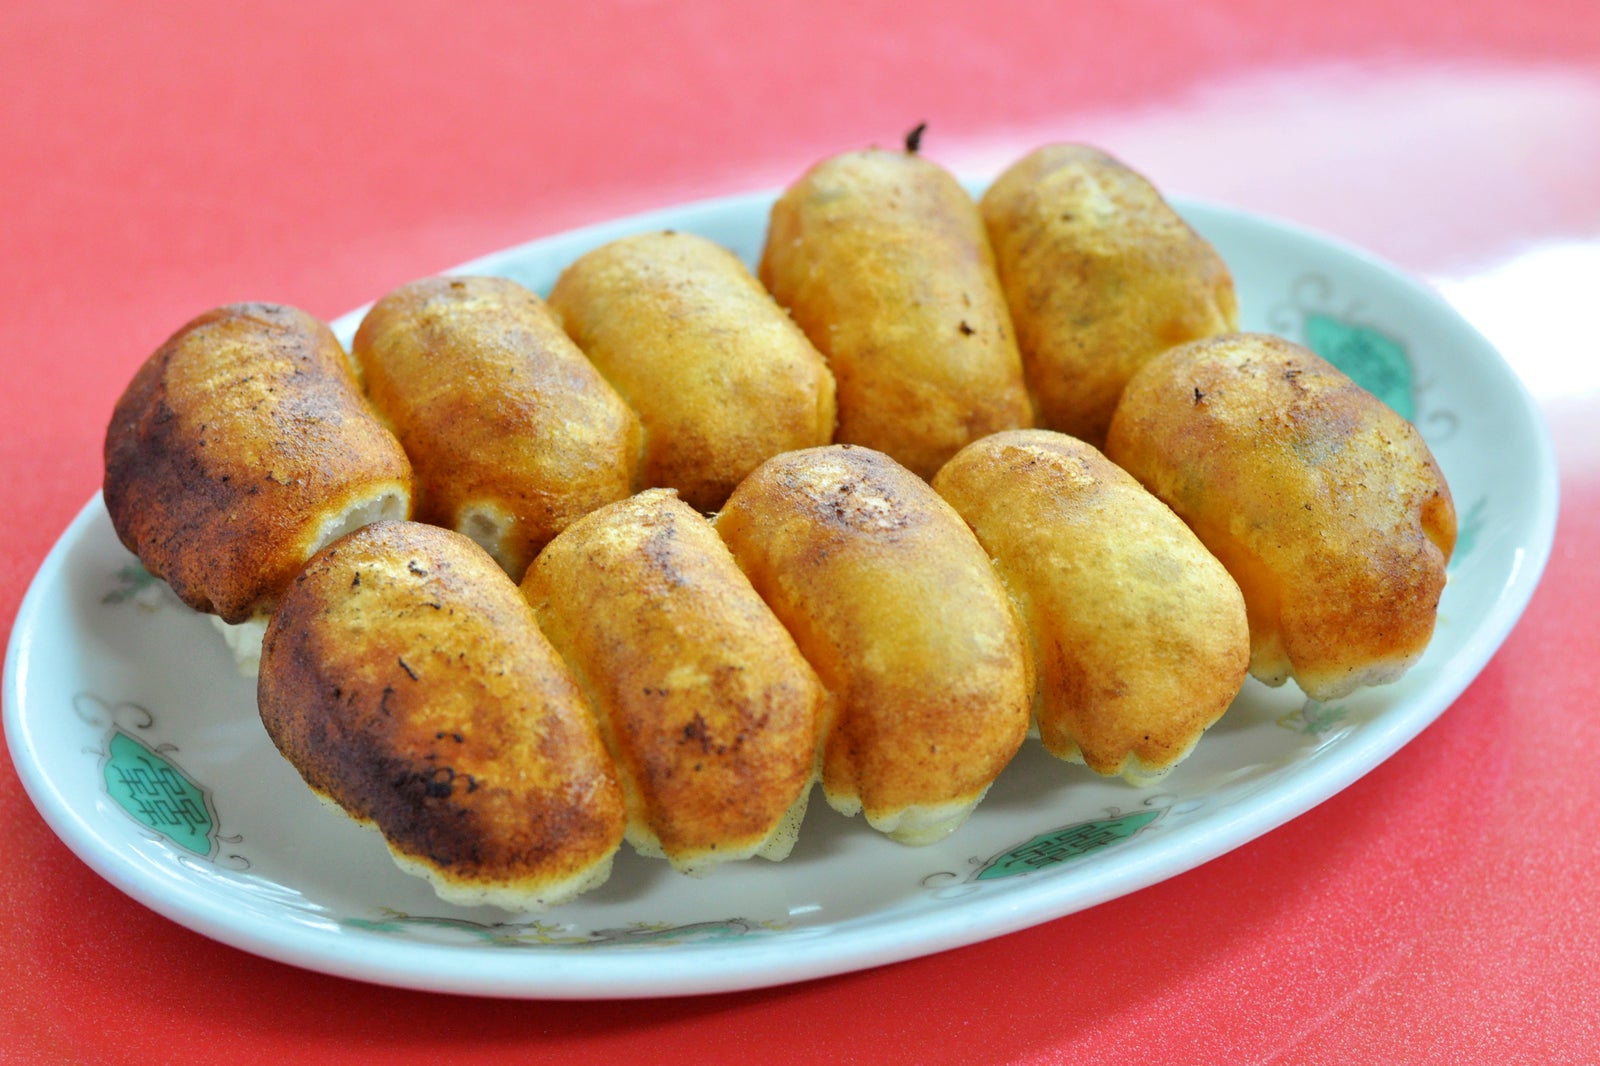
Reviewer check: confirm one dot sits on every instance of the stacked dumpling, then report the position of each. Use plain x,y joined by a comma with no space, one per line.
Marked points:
241,446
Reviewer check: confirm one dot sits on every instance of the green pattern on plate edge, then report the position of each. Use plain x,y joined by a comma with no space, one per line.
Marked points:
1064,844
1372,359
158,795
147,784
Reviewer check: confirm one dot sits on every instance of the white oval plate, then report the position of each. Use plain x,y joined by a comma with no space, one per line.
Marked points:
140,745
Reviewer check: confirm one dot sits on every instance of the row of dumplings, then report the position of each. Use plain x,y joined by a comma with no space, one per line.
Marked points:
652,557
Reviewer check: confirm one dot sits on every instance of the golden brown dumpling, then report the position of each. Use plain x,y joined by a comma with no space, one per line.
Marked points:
1326,506
239,448
1101,274
896,606
720,377
1138,633
710,710
512,432
881,258
404,676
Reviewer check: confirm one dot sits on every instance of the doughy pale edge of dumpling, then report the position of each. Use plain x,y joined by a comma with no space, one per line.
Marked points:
506,897
244,642
1132,769
917,825
774,847
491,527
244,638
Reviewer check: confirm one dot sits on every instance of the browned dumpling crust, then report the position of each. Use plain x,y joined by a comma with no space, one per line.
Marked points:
1326,506
896,606
513,433
1101,274
721,378
241,446
406,679
882,259
1138,633
709,709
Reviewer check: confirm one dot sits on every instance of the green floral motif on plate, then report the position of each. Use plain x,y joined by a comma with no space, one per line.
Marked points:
1374,360
158,795
1064,844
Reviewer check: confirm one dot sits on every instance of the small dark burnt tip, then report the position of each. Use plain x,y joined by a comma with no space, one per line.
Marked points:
914,138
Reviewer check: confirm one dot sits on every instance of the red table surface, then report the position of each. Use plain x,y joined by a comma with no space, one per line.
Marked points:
156,160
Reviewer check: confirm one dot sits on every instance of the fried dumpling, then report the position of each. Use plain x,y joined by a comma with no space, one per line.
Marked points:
405,677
